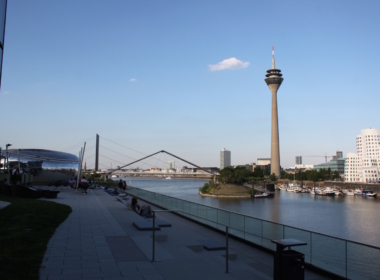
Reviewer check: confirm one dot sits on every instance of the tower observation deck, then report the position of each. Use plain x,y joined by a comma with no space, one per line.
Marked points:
273,80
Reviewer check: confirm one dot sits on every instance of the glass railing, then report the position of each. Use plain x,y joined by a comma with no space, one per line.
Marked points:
345,258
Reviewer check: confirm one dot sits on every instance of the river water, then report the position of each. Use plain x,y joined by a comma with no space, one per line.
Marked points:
350,217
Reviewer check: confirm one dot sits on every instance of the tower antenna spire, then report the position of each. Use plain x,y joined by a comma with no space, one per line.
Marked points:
273,65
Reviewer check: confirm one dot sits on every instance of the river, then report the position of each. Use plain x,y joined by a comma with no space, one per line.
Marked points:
350,217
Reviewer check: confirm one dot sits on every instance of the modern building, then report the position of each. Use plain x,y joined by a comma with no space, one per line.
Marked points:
336,164
339,154
45,165
298,160
264,164
169,165
364,165
263,161
351,167
225,158
273,80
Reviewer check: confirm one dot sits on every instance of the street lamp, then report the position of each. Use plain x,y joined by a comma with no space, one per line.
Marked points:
6,147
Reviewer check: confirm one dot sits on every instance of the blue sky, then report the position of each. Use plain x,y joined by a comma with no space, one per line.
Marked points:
138,73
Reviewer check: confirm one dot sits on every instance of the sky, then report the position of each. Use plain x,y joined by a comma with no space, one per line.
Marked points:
188,77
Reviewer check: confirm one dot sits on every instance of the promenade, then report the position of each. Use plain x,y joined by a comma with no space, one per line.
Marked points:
98,241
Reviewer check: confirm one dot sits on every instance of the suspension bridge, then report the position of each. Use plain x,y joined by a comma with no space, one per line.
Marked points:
107,157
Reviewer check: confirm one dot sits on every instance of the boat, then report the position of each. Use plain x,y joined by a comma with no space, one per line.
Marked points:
115,176
350,193
358,192
168,178
318,191
264,195
369,193
329,192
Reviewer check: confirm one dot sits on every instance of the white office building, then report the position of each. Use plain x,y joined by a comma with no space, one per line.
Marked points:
364,166
225,158
351,166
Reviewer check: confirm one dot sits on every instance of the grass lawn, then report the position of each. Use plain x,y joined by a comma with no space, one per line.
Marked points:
26,226
229,190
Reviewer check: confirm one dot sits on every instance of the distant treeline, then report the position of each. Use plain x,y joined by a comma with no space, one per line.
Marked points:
241,175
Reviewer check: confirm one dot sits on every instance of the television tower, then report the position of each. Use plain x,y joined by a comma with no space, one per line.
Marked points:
274,80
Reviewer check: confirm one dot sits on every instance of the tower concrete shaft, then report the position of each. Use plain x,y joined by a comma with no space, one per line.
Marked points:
273,80
275,139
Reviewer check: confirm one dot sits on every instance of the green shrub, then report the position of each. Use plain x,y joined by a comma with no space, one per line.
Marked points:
206,188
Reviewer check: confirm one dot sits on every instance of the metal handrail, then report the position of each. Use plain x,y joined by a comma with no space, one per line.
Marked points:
293,227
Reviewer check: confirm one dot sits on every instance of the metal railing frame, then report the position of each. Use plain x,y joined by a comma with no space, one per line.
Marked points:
262,221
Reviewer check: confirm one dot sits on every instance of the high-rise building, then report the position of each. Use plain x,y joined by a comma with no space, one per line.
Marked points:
339,154
298,160
364,165
273,80
169,165
225,158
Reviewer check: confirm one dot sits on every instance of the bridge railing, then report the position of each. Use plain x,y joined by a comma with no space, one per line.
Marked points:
350,259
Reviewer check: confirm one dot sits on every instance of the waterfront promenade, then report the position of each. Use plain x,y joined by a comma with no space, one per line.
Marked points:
98,241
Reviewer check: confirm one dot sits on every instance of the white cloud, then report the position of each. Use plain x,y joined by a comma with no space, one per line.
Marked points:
229,63
132,80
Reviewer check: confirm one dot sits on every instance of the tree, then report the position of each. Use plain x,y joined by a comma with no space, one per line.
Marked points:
336,175
258,172
236,175
313,176
273,177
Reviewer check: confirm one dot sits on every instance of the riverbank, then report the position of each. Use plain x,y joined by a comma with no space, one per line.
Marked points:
226,190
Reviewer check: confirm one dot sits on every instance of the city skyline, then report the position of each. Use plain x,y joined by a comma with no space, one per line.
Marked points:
187,77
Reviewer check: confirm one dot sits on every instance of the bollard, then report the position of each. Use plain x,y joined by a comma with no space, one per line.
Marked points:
226,249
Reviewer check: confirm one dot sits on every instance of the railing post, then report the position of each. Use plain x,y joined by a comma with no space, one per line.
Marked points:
154,234
346,260
311,248
227,249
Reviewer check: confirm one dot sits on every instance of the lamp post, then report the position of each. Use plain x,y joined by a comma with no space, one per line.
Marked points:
6,146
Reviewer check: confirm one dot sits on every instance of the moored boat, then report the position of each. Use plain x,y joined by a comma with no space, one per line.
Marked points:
350,193
358,192
369,193
264,195
329,192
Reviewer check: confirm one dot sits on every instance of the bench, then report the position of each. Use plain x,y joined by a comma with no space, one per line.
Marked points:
211,245
144,226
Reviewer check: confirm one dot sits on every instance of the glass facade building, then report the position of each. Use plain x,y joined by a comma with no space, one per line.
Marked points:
44,165
334,164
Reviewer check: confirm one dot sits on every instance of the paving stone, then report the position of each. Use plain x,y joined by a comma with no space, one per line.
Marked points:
65,277
81,270
101,274
152,277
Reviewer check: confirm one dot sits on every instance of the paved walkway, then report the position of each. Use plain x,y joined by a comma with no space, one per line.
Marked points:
98,241
4,204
